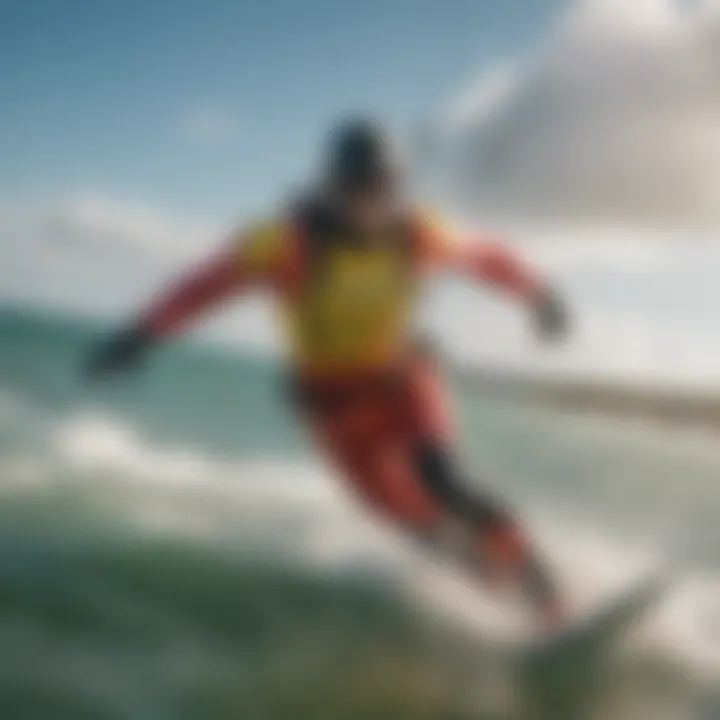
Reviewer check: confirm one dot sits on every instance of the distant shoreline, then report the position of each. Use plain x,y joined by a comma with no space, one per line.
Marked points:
675,405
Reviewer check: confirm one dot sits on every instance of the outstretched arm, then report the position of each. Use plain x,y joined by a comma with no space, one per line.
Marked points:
246,262
195,293
488,261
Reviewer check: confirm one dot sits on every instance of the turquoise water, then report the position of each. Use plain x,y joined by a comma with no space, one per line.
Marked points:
170,548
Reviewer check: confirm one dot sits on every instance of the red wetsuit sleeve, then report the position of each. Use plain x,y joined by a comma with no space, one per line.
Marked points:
195,293
496,265
484,259
253,257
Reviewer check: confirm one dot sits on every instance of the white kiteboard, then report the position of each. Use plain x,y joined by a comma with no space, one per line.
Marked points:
562,674
590,634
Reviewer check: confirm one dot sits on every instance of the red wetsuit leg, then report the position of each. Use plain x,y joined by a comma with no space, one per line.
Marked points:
499,537
377,441
367,440
430,435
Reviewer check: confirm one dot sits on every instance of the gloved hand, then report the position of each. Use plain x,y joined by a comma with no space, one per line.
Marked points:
121,354
550,316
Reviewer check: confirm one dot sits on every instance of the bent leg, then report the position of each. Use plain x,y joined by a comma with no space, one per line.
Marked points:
503,546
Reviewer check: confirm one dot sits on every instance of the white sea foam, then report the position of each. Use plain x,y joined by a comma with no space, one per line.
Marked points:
297,509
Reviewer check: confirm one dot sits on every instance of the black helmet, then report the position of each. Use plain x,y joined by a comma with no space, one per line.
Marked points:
361,156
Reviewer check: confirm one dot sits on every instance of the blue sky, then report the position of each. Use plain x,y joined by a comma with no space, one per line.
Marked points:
215,107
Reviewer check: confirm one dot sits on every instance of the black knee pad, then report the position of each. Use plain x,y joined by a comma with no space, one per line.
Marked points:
441,480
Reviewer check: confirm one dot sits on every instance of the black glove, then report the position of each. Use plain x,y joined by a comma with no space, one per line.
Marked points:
120,354
551,316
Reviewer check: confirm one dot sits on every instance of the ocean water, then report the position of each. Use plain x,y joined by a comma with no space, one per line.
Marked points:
171,549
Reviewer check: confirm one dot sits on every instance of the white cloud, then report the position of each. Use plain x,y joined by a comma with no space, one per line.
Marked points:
98,256
616,117
102,222
210,124
89,251
479,102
